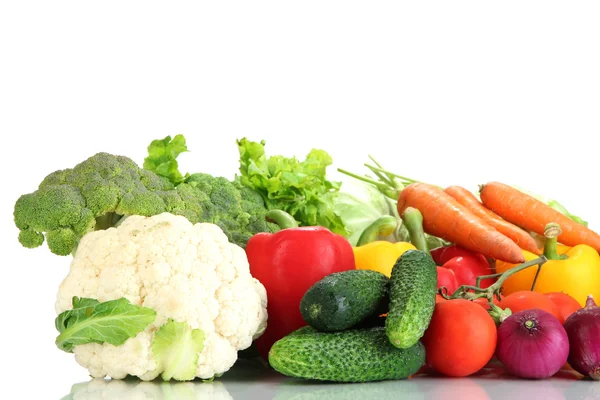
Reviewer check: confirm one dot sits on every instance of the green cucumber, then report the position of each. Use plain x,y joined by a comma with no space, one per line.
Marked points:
344,299
413,286
358,355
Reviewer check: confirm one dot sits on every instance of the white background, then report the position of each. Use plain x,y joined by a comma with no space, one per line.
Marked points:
450,93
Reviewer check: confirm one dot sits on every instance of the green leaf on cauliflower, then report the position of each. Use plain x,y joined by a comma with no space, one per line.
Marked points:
176,348
111,322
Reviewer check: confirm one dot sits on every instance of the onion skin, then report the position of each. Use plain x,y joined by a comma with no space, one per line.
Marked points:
532,344
583,329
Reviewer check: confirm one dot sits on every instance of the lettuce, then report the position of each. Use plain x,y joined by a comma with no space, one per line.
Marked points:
298,187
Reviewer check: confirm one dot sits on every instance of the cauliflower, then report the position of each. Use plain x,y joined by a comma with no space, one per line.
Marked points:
187,273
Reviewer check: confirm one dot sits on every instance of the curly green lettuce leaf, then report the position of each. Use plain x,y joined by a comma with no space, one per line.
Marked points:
300,188
176,348
111,322
162,158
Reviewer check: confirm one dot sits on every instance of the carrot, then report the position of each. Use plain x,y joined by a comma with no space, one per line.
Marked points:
532,214
513,232
446,218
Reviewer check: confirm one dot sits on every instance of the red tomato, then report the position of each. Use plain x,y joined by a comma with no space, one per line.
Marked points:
468,268
447,279
461,338
527,300
566,304
465,264
439,298
483,302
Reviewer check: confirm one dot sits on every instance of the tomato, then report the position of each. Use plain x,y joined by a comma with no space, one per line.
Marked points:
527,300
439,298
461,338
483,302
465,264
566,304
447,279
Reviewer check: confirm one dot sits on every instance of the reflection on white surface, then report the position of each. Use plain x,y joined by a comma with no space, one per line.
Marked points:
100,389
251,381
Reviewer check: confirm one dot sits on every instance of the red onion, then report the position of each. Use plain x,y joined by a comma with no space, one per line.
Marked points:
583,328
532,344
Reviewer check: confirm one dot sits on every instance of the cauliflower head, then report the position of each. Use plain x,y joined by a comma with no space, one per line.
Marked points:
185,272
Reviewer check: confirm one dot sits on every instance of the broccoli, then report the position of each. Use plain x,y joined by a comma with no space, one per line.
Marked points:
98,192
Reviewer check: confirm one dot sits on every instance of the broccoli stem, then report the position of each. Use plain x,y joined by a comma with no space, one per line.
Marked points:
107,220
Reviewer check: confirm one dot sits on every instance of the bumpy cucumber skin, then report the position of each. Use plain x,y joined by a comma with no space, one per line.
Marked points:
342,300
359,355
413,286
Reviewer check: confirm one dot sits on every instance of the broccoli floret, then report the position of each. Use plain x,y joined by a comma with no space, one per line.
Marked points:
254,205
100,191
93,195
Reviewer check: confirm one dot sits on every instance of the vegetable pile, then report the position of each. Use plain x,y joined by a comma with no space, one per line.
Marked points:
175,276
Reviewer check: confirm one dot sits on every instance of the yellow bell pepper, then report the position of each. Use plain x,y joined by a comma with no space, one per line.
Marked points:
571,270
380,255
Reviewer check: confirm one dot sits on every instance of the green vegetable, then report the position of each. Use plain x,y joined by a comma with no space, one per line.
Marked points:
111,322
360,355
341,300
98,192
162,158
298,187
176,348
364,199
358,205
305,329
413,286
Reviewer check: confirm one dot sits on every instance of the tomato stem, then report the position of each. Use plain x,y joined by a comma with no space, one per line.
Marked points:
463,291
498,314
482,277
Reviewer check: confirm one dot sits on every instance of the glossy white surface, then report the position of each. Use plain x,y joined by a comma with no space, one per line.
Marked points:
448,92
249,381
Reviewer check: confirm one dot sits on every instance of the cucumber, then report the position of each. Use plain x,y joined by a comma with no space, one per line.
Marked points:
304,330
413,286
341,300
357,355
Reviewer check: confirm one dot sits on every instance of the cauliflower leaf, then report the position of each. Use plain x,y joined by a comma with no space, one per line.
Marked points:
110,322
176,348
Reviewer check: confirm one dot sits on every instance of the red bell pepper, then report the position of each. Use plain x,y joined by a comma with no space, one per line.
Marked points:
288,263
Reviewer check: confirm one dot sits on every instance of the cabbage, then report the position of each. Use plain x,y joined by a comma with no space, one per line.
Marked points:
359,204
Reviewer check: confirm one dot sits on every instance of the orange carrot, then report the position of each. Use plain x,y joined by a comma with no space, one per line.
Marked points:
446,218
513,232
532,214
